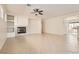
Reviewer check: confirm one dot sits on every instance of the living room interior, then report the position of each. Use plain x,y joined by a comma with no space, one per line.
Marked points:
39,28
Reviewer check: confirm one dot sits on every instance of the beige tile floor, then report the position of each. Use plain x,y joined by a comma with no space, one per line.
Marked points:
40,44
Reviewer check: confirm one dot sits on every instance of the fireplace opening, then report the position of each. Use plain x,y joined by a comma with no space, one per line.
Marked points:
21,30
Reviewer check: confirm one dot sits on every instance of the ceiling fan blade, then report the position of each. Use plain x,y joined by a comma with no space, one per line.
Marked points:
34,10
40,13
37,10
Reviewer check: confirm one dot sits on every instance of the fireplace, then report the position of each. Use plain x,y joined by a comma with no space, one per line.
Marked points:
21,30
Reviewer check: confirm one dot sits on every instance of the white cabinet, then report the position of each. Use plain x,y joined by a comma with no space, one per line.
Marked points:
34,26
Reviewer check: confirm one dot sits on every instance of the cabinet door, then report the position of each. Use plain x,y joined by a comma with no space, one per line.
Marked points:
34,26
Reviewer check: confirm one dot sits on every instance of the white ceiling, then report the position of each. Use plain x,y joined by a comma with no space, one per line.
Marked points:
50,10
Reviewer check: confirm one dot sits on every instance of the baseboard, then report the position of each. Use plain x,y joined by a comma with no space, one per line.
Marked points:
55,34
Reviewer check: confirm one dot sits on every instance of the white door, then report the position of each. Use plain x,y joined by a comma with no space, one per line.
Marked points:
35,26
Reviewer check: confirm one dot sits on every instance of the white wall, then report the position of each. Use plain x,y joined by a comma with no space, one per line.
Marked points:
34,26
21,20
3,30
56,25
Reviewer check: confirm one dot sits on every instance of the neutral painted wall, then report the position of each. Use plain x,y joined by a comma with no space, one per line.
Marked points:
21,20
34,26
56,25
3,30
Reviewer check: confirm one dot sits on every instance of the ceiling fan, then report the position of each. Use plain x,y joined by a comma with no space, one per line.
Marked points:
37,11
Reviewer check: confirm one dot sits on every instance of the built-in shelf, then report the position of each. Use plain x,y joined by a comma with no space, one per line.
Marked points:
10,20
10,23
10,17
